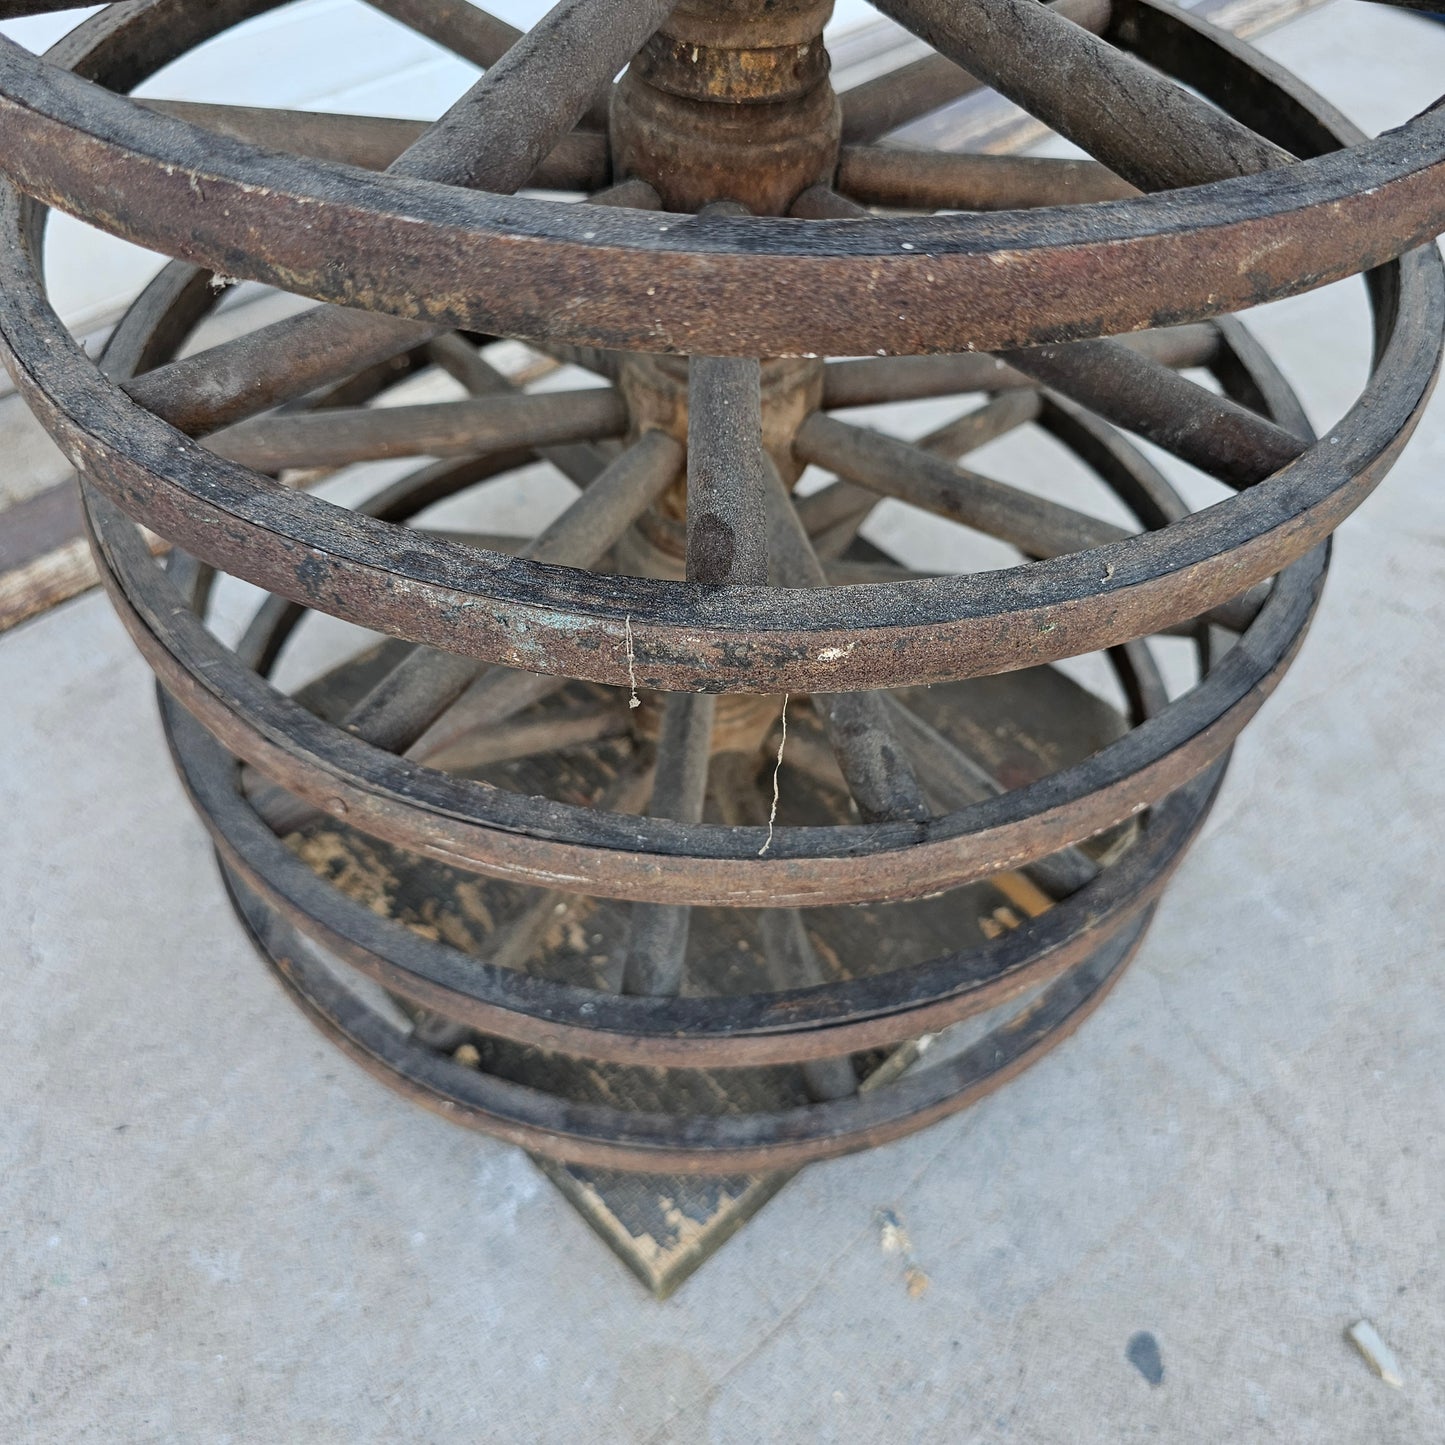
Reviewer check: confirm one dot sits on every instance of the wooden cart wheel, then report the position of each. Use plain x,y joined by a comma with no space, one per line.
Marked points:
670,830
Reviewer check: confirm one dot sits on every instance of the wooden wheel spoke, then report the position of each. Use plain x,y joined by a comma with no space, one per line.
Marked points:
491,696
872,380
577,162
726,487
1133,119
633,194
893,468
919,180
883,104
657,932
878,106
456,25
527,737
1212,432
431,701
822,203
367,384
273,364
580,462
832,515
876,769
788,955
793,962
494,136
343,435
476,36
954,780
912,472
984,424
403,708
493,139
516,944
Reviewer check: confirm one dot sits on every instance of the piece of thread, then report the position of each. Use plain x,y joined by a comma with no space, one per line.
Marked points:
634,700
777,770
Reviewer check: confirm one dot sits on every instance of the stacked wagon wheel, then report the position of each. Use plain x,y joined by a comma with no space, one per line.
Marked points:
672,835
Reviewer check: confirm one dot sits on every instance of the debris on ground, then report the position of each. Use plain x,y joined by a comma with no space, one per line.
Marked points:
1378,1355
893,1239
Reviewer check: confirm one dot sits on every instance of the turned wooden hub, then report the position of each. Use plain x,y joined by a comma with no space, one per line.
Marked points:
730,102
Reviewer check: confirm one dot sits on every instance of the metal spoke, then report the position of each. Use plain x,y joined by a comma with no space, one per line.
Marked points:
657,932
918,180
1133,119
876,107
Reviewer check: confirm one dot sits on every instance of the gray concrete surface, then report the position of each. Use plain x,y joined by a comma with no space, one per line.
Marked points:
214,1229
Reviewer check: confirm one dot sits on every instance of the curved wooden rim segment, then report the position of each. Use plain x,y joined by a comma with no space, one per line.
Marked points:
719,285
616,1138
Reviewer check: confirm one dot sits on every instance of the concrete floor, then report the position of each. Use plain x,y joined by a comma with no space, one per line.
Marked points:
215,1229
